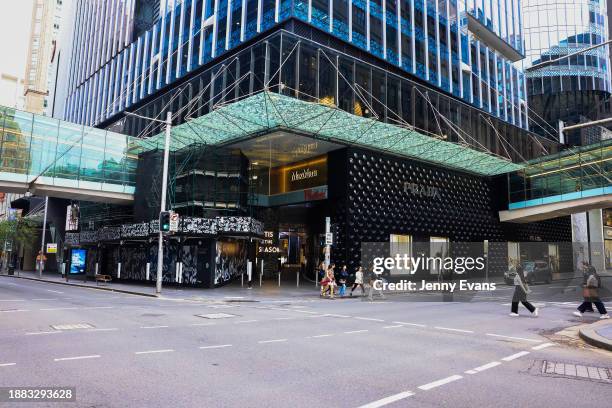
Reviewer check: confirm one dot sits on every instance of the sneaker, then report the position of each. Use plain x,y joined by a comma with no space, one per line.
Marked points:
604,316
514,314
535,312
577,314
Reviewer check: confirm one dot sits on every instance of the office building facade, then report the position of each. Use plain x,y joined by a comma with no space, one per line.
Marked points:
288,112
41,65
574,89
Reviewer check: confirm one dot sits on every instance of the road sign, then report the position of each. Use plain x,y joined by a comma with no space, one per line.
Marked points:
174,222
329,238
52,248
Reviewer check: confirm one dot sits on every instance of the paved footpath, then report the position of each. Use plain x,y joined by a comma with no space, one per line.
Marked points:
121,350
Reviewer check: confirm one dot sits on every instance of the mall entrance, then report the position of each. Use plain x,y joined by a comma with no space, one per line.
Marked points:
294,241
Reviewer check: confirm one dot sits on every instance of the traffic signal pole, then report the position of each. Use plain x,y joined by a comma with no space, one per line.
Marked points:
162,208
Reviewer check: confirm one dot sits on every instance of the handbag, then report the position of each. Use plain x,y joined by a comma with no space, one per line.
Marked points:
589,292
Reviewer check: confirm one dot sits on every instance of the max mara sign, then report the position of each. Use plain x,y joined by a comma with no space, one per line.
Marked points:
304,174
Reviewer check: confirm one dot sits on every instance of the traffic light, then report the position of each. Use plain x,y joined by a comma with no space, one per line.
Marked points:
164,221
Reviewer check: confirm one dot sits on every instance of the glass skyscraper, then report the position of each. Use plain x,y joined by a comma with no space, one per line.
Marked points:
463,48
573,88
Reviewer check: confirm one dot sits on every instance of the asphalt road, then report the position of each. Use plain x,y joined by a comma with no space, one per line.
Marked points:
129,351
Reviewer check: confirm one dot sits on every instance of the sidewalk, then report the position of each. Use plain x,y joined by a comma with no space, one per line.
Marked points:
598,334
231,292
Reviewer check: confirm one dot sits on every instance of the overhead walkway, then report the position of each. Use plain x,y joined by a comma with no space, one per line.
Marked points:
568,182
46,156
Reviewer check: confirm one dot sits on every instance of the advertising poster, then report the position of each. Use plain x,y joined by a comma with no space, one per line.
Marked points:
77,261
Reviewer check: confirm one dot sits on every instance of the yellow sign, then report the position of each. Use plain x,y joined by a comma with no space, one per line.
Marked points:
52,248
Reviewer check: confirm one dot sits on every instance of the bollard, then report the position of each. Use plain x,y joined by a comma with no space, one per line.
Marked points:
279,279
96,268
242,280
148,270
298,280
119,270
261,273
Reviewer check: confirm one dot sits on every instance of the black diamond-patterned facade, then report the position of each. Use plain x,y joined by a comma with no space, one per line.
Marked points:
463,209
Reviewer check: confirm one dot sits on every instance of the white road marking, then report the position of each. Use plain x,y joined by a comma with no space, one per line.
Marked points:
154,351
54,291
455,330
314,316
487,366
76,358
411,324
154,327
284,318
59,308
438,383
515,356
7,364
542,346
393,327
202,324
320,335
14,310
215,347
471,372
101,330
337,315
99,307
45,299
388,400
246,321
355,331
369,318
271,341
12,300
514,338
43,332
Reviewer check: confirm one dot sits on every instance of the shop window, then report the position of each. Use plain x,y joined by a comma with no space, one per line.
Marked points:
400,245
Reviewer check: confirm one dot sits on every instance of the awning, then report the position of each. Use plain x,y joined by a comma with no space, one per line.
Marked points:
267,112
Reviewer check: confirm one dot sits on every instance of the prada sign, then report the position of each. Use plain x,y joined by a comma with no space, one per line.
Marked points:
421,190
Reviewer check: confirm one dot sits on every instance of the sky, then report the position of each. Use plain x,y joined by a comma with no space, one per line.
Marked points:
14,36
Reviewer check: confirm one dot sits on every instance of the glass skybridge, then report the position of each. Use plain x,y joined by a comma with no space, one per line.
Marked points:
571,174
51,157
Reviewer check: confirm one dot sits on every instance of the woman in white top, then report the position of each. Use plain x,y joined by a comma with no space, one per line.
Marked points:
358,281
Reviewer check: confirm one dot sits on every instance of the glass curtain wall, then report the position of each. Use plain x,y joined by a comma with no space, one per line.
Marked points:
426,38
308,72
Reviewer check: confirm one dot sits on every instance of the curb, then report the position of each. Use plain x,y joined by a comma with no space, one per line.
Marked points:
589,335
85,286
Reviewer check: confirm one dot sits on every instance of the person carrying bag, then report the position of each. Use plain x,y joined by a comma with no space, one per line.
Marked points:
521,289
590,293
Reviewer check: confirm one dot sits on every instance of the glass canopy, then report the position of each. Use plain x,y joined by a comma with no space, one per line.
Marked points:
266,112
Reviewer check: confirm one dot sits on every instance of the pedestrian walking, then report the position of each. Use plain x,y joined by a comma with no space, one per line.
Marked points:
358,281
586,271
343,276
331,280
590,293
521,289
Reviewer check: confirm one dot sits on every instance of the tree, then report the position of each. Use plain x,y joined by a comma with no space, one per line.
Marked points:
21,232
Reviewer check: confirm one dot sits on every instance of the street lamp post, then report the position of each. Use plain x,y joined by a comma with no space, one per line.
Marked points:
42,242
162,208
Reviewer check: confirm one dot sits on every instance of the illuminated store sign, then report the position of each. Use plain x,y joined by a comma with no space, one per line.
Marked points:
303,175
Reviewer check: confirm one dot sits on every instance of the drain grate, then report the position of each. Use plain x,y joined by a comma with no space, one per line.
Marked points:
216,315
577,371
75,326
